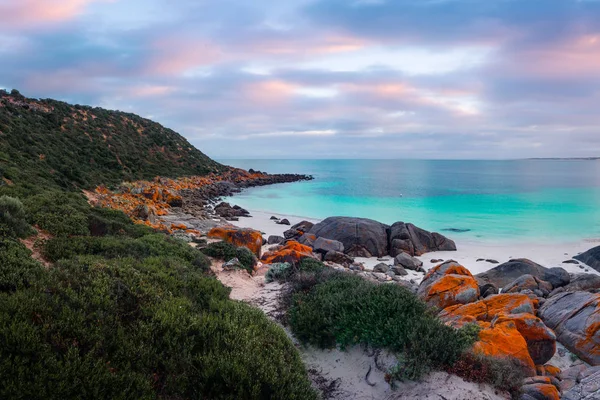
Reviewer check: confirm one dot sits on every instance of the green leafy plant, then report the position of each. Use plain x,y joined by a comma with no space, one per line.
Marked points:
278,272
13,218
226,251
342,309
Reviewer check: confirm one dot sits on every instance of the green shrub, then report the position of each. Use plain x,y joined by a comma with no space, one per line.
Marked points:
346,310
119,247
60,213
278,272
505,374
129,328
13,218
226,251
310,265
17,269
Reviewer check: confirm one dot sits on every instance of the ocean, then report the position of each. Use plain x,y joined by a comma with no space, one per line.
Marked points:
537,201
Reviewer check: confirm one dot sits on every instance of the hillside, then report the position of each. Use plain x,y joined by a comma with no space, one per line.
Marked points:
48,142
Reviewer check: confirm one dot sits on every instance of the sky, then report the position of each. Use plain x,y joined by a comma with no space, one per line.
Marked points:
451,79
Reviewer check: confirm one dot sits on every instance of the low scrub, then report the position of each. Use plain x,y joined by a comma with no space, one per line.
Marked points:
119,247
329,309
503,373
129,328
13,218
279,272
226,251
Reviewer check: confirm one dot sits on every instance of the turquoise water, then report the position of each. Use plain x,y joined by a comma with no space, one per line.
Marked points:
525,200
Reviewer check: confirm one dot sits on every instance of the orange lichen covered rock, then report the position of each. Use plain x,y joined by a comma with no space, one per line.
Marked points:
541,391
448,284
541,340
178,227
503,340
291,253
239,237
516,309
551,370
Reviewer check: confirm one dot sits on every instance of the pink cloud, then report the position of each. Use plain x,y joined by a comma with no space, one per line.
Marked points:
327,44
571,58
26,13
176,55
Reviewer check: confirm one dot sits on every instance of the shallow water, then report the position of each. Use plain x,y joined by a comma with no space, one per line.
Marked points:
524,200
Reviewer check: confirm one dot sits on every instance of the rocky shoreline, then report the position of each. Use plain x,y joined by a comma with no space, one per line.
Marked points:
525,311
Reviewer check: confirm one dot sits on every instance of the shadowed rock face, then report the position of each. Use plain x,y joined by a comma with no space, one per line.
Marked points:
415,241
363,237
507,273
575,317
591,258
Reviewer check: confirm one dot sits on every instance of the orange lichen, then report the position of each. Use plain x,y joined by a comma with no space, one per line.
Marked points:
548,390
178,227
446,290
249,238
504,340
161,194
292,253
551,370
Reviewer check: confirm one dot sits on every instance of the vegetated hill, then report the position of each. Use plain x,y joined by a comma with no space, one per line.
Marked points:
49,142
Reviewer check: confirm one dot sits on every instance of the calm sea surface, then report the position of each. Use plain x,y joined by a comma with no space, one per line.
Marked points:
525,200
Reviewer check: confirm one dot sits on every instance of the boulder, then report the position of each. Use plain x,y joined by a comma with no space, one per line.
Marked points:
591,258
273,239
361,237
339,258
506,273
541,391
408,262
239,237
448,284
322,245
488,309
503,340
291,253
284,222
233,264
528,282
399,270
583,283
416,241
487,289
587,388
298,230
575,317
381,267
307,239
500,316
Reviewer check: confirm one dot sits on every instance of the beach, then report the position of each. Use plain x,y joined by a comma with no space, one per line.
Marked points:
468,252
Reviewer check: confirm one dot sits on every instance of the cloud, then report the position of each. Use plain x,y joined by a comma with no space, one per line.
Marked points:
324,78
31,13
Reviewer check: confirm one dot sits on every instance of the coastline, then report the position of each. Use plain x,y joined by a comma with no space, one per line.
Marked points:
469,251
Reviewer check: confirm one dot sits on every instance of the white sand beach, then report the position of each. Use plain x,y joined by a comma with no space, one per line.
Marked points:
468,253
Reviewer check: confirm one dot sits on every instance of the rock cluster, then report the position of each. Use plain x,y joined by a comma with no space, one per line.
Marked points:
361,237
537,308
149,202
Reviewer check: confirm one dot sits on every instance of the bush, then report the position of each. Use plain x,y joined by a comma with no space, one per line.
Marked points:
278,272
17,269
60,213
310,265
120,247
503,373
13,218
347,310
129,328
226,251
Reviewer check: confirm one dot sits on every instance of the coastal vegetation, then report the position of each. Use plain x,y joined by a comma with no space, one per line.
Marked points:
93,306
